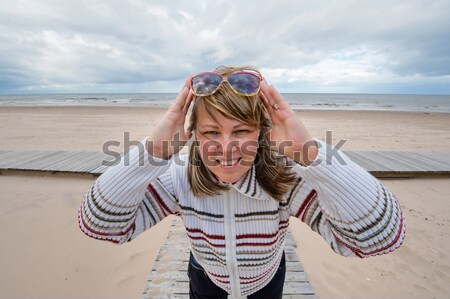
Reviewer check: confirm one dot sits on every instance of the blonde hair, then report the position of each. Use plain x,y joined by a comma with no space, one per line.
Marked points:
273,171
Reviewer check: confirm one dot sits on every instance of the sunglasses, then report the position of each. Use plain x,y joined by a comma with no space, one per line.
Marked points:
244,83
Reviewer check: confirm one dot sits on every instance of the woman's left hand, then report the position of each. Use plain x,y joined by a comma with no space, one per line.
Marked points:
288,133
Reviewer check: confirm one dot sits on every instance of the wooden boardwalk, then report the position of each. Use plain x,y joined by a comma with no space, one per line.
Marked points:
380,164
168,277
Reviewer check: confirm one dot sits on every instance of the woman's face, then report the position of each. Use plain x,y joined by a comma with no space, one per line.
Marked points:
227,147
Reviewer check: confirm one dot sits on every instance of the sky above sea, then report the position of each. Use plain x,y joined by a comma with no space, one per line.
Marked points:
307,46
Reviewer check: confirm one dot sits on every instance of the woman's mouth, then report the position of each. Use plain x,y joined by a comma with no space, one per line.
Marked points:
229,163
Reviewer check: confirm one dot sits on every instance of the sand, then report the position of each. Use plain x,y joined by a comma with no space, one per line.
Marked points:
44,255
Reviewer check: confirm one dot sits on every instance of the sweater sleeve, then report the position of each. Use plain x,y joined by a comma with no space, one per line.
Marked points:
128,198
346,205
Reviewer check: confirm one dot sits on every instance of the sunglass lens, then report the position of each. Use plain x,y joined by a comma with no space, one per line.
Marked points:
205,84
244,83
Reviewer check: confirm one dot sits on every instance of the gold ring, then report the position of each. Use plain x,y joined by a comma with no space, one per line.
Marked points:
275,106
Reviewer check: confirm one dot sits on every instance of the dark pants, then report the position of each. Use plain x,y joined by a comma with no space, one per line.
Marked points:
201,286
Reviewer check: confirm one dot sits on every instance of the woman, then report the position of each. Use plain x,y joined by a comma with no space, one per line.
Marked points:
252,165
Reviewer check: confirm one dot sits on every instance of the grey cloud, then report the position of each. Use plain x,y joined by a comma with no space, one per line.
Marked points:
104,42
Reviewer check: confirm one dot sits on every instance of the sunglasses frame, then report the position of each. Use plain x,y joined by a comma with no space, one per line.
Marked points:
225,79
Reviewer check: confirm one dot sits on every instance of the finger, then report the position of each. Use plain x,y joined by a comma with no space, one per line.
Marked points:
188,102
270,105
272,96
264,87
264,83
265,95
187,82
180,100
277,98
266,102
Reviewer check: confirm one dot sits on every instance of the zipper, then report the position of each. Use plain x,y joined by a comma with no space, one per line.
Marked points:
230,247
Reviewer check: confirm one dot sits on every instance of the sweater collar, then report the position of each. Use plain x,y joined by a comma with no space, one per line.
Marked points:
249,186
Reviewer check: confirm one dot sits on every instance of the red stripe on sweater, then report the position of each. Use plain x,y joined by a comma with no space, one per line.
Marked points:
240,244
197,230
265,244
253,279
305,202
160,202
248,236
221,276
357,250
261,236
284,222
308,206
258,244
80,217
225,282
207,241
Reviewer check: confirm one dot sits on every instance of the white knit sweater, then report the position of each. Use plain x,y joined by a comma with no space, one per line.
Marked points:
238,235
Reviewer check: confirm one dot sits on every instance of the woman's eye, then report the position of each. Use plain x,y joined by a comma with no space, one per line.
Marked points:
241,131
210,133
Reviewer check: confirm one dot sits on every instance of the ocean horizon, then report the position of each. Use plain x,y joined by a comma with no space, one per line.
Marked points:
298,101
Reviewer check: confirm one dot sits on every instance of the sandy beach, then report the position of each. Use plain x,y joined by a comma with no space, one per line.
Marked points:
44,254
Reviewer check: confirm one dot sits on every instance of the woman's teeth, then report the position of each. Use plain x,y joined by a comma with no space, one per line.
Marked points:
228,163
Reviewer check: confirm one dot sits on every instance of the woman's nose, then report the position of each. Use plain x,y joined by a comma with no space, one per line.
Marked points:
228,144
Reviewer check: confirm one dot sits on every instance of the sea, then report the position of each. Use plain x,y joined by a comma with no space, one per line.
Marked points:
298,101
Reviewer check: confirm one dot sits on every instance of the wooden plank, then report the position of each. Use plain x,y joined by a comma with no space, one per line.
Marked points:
85,159
76,162
94,164
45,163
22,160
360,161
8,156
374,160
33,161
364,162
61,163
439,157
176,275
58,159
419,162
397,164
422,160
99,170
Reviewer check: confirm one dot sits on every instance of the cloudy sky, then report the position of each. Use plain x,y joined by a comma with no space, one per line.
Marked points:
350,46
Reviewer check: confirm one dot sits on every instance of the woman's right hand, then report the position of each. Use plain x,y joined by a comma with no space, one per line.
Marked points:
169,137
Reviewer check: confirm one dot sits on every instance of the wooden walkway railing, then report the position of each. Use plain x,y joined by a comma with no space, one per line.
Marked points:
168,278
380,164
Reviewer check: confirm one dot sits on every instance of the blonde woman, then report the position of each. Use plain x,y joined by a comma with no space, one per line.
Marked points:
251,166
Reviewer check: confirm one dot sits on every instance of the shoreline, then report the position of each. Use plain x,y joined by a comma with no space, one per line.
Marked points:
165,106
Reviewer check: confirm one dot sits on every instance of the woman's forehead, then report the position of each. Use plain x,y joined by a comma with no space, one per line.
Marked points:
204,119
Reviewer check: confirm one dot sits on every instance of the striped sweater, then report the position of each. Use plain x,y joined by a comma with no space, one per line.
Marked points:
238,235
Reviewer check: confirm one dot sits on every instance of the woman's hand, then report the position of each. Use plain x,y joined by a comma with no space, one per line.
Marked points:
288,133
169,137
